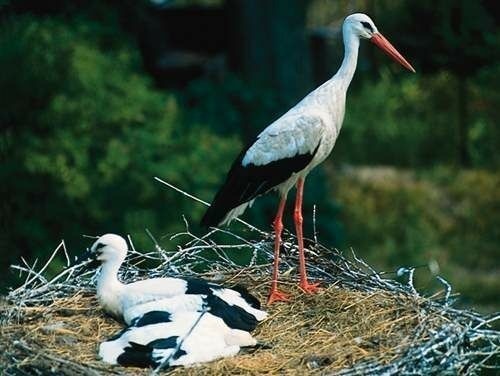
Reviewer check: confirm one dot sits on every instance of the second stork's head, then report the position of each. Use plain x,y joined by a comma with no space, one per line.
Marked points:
361,26
109,248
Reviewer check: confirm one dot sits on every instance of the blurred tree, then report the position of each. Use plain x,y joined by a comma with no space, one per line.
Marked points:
83,134
458,36
403,122
269,45
396,217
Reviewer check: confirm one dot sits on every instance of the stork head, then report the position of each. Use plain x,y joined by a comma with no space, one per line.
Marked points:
109,248
362,26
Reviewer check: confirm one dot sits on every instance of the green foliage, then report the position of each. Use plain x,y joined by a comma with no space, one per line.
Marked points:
472,203
229,105
390,217
484,134
85,132
400,218
412,122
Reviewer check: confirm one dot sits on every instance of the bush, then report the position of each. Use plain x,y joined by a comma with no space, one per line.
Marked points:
472,200
444,217
484,133
413,122
390,217
84,132
229,105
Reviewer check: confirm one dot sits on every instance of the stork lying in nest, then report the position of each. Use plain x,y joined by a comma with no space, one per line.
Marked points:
170,321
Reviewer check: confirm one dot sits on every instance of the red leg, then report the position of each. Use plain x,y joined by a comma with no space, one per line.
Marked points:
275,295
297,216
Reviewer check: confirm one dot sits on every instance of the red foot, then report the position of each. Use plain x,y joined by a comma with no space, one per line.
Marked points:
309,288
277,296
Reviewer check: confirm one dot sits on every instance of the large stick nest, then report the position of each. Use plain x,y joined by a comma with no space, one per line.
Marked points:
360,323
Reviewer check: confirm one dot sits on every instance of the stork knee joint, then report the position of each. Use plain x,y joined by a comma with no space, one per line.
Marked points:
297,216
278,226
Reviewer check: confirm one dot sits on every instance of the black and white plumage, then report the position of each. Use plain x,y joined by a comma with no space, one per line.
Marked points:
286,151
236,307
201,295
182,338
247,180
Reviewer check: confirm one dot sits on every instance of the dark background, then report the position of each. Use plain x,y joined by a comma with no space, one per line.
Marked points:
97,97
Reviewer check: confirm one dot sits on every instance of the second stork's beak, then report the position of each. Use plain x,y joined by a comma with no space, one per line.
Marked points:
88,259
88,255
386,46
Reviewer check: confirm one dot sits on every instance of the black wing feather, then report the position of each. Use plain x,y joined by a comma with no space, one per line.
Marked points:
245,294
233,316
244,183
150,318
137,355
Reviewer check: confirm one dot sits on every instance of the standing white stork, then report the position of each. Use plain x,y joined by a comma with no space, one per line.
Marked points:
288,149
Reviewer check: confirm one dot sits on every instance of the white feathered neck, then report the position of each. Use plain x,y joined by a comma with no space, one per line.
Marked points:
109,288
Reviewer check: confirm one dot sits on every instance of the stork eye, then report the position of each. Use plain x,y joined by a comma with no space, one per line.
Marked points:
99,246
367,26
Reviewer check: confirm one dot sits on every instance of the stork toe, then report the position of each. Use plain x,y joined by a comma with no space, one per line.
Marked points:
277,296
310,288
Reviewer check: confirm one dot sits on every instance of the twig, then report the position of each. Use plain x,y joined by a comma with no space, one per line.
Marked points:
253,228
448,289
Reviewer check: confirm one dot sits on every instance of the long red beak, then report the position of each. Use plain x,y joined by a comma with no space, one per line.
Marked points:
386,46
